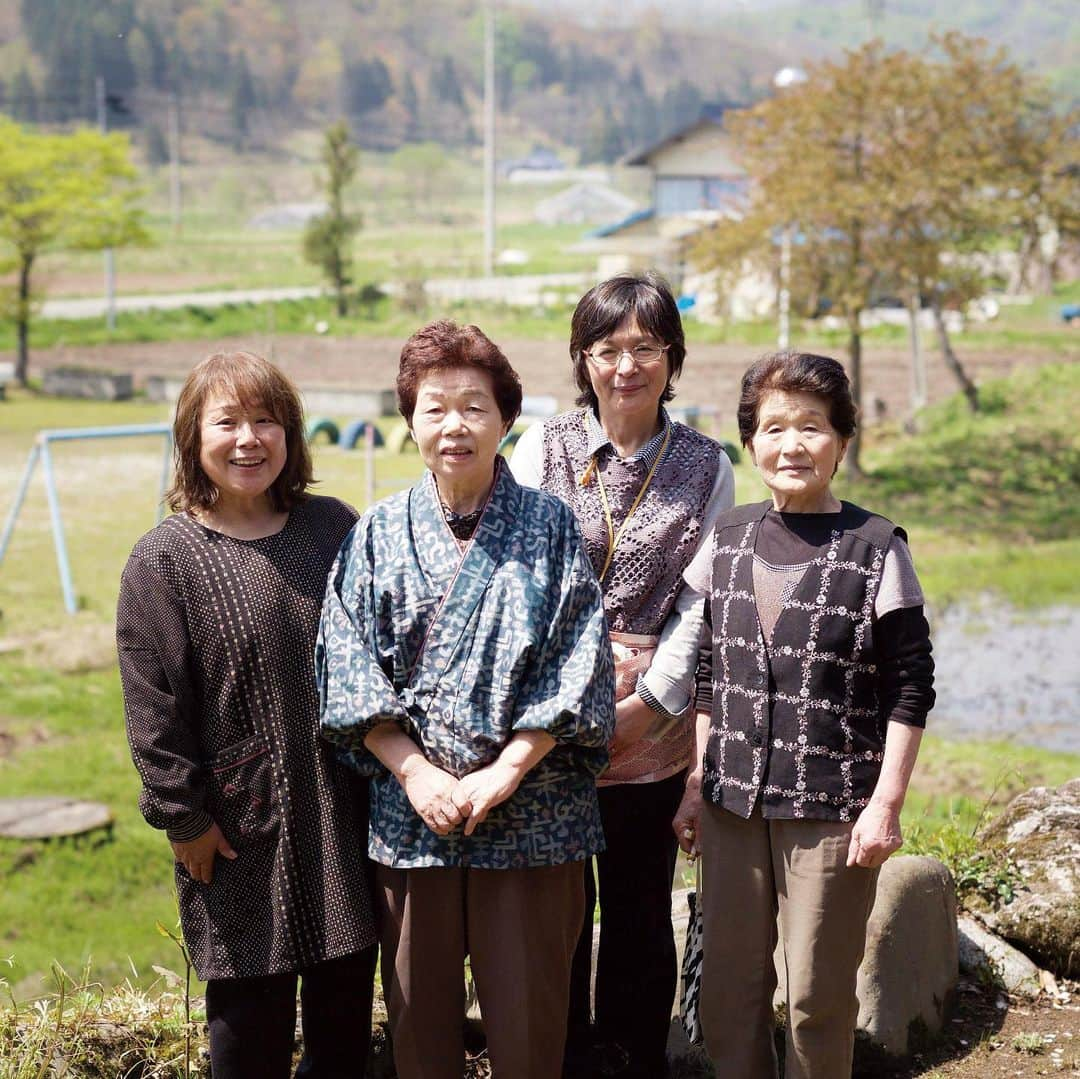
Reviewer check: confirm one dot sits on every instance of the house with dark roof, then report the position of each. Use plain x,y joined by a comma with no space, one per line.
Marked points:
696,181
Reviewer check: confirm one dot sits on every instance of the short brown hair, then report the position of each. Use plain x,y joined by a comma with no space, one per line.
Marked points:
605,307
444,345
251,381
797,372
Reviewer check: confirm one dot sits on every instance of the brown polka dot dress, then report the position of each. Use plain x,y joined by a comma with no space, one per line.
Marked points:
216,638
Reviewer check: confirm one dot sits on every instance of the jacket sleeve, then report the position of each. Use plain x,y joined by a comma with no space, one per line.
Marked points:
355,693
159,711
668,685
570,691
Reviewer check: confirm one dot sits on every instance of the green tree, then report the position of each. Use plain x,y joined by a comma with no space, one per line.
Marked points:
157,149
810,154
242,100
367,86
972,153
603,140
445,85
61,193
328,238
891,172
427,175
410,101
23,101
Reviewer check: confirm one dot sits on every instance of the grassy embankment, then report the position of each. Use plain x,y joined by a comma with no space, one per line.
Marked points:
1033,325
989,501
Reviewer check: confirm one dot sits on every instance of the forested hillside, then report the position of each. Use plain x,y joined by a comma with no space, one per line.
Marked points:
250,71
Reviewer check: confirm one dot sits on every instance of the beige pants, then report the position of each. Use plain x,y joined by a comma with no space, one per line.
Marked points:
519,928
754,870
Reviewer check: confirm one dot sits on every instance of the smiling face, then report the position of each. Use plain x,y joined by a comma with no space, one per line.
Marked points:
628,388
241,450
458,427
797,450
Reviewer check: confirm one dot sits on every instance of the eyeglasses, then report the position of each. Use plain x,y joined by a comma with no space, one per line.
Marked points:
642,355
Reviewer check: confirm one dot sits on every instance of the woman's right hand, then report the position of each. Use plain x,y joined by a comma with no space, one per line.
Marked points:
685,821
197,855
430,791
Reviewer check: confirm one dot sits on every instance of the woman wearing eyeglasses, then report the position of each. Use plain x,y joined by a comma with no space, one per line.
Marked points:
645,491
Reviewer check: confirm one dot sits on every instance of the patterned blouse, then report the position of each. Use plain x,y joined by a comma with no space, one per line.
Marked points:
463,650
216,637
643,589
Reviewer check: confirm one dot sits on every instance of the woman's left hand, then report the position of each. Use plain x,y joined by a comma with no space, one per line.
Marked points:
481,791
685,821
875,836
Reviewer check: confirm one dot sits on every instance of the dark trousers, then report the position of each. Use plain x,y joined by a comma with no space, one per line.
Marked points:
253,1021
519,928
636,971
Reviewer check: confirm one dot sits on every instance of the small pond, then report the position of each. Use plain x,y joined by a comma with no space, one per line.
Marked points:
1009,674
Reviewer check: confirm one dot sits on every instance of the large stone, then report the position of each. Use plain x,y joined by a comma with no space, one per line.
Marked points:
1040,831
909,972
52,817
86,382
986,955
910,968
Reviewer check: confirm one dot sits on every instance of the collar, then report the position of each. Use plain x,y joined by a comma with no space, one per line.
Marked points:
596,439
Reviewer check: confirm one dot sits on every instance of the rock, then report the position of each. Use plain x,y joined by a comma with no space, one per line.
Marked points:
1040,831
988,956
910,969
49,817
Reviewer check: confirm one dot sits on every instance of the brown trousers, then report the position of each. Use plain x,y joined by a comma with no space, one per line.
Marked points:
760,877
519,928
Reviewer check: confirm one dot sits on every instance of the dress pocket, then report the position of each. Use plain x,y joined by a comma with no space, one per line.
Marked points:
244,799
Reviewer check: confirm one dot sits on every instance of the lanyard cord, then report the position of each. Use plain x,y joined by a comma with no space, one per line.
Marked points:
613,536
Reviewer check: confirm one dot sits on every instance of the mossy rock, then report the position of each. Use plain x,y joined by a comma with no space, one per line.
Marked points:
1040,830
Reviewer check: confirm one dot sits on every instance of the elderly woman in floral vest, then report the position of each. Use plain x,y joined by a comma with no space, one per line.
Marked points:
814,685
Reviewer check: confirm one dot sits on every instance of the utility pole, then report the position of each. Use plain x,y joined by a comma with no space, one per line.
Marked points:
110,262
175,203
489,138
875,11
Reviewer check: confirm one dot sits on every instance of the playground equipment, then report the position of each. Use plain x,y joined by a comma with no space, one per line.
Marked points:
41,452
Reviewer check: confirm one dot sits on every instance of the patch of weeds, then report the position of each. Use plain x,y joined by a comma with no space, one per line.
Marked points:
984,875
80,1029
1031,1044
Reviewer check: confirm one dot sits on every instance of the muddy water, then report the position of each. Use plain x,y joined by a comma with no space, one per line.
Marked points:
1004,673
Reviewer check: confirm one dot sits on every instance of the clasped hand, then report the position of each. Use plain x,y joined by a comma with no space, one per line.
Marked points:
444,802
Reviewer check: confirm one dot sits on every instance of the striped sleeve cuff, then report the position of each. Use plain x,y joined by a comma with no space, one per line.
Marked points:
650,698
190,827
704,697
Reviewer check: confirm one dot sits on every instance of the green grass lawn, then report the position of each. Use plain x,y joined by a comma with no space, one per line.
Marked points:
990,503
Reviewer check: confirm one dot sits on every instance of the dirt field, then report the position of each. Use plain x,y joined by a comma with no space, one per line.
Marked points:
989,1036
710,376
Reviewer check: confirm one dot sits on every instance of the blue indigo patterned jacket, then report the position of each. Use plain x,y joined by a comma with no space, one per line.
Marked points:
463,650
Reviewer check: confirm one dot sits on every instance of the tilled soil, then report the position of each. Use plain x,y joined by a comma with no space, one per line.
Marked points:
710,375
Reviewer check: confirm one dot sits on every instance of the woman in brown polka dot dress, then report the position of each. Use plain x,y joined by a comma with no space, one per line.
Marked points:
216,624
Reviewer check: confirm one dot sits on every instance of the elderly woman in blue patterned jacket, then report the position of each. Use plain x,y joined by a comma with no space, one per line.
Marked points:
463,657
814,686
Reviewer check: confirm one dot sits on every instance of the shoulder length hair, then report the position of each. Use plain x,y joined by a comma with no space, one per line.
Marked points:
250,381
605,307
